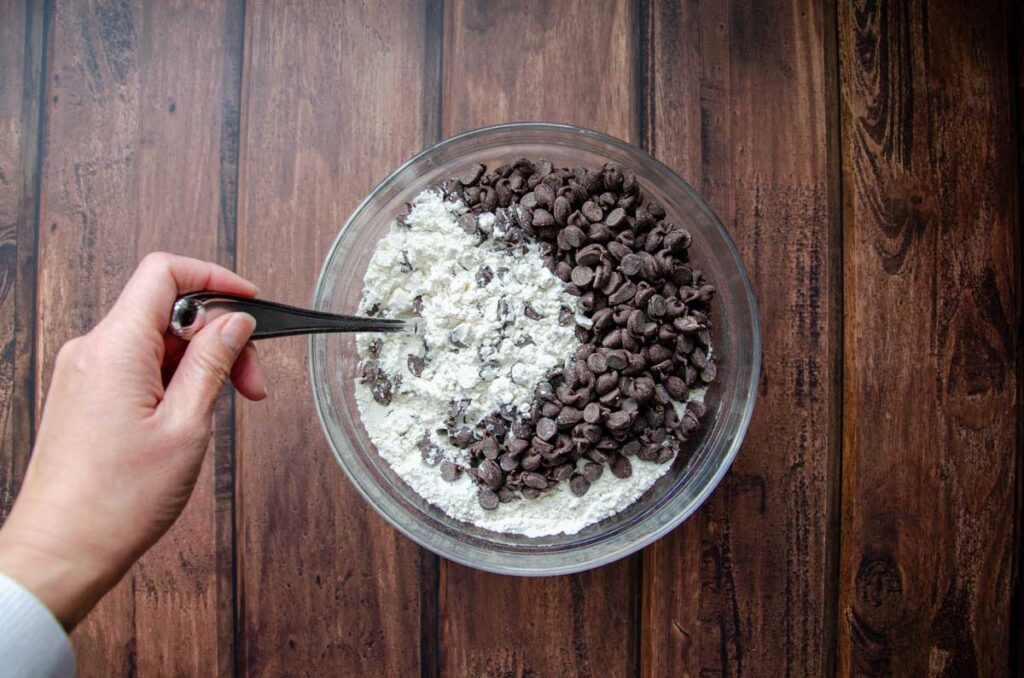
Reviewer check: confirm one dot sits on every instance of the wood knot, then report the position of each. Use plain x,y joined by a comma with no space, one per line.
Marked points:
879,589
903,218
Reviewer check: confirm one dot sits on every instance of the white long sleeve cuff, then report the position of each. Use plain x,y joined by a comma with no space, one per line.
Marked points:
32,641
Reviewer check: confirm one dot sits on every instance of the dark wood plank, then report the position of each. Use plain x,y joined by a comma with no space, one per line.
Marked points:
136,94
932,315
21,64
736,103
333,101
1015,22
499,59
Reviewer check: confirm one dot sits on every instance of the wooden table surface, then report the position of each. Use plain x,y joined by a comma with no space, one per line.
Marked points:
865,156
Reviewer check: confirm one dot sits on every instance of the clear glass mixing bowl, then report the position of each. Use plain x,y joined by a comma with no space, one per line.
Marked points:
736,340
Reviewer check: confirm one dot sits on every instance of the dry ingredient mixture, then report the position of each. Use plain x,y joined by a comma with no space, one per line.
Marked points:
564,349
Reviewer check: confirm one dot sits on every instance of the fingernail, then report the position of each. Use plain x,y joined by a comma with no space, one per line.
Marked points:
237,330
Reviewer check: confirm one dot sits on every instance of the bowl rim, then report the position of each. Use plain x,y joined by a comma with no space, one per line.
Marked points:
750,391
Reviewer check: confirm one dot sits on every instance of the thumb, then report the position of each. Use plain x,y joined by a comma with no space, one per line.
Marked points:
206,365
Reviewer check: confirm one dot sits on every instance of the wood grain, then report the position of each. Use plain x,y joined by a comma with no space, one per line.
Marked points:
1015,24
735,101
569,62
505,61
21,64
933,316
332,102
136,97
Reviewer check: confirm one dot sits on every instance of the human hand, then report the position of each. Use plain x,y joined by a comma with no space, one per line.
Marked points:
127,423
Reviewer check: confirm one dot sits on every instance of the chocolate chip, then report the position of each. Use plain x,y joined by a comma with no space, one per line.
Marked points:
677,241
546,429
686,324
534,480
382,392
592,413
578,484
573,237
582,276
616,218
618,250
621,468
657,353
592,182
429,451
612,284
545,196
599,233
618,421
542,218
490,473
471,174
416,364
643,389
617,360
591,433
561,473
709,372
449,471
631,448
487,499
592,211
593,471
462,437
635,323
568,417
488,199
532,313
606,382
531,461
612,339
631,264
489,447
561,210
597,363
624,293
508,462
676,388
550,409
590,255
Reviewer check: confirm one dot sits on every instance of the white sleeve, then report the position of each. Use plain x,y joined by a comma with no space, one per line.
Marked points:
32,641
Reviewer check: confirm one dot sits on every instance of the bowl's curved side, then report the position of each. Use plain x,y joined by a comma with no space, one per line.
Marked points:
737,331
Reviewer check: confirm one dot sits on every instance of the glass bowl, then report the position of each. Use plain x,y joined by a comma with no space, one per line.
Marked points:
736,342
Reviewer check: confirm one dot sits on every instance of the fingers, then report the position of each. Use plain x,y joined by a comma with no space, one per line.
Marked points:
160,278
206,366
174,349
247,375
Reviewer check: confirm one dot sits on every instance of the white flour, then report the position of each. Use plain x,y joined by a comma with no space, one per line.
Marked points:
466,358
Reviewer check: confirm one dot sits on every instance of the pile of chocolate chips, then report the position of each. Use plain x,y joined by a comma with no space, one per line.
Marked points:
645,336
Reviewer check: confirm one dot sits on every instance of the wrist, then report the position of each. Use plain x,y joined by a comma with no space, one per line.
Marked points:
69,578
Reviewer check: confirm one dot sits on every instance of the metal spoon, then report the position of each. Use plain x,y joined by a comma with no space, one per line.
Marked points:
192,311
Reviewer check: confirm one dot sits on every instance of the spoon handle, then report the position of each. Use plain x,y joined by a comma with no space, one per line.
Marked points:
192,311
